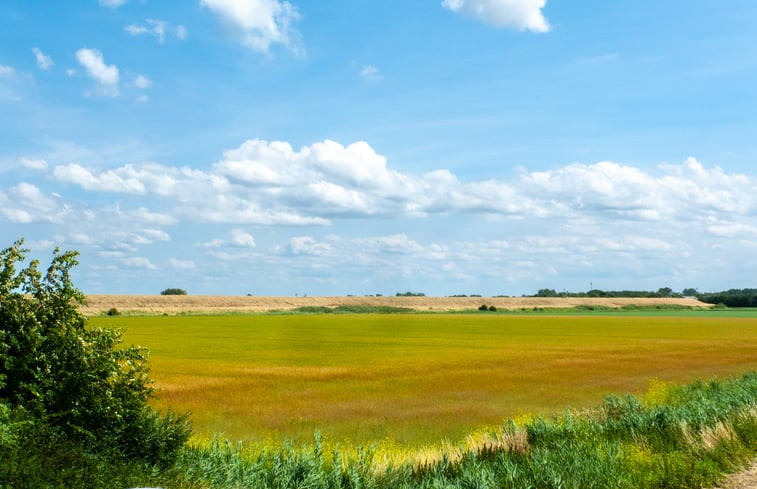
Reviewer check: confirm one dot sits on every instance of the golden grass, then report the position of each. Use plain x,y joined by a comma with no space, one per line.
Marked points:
175,304
417,379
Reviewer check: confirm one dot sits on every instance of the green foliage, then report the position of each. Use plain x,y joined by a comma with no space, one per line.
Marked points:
410,294
547,293
113,312
731,297
64,383
173,291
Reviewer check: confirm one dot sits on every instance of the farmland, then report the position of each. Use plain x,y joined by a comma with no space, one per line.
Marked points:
417,378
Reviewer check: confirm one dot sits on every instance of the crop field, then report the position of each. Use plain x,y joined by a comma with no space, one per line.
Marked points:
417,378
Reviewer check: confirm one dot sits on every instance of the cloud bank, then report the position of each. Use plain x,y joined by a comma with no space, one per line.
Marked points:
323,202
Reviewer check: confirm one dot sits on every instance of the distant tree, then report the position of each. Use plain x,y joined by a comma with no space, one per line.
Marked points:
664,292
410,294
690,292
174,291
546,293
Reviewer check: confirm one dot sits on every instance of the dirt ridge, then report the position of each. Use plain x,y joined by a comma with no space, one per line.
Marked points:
176,304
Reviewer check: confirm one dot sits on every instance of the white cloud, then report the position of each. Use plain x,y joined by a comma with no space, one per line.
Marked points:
8,72
123,180
241,238
258,23
157,28
370,72
510,14
398,243
150,235
181,264
181,32
106,76
139,262
25,203
271,183
44,62
307,245
142,82
33,163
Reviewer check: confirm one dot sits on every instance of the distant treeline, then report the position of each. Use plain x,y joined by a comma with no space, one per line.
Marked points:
730,297
662,292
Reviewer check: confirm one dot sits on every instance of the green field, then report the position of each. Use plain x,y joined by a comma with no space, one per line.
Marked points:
418,378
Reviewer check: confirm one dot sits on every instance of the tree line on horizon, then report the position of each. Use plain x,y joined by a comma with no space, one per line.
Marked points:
730,298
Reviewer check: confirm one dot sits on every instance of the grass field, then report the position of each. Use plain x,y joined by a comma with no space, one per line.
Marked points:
418,378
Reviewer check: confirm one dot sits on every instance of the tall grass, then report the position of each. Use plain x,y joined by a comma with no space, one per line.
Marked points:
675,437
416,378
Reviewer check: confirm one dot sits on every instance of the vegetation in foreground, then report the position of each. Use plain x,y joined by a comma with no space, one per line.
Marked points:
675,437
71,400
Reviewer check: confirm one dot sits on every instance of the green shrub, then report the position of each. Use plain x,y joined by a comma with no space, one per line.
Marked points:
70,381
173,291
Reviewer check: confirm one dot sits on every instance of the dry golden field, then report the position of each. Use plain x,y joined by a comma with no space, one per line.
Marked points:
419,377
174,304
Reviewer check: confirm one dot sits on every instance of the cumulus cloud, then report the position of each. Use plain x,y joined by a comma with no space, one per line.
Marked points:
567,219
106,76
44,62
33,163
141,82
307,245
157,28
139,262
520,15
26,203
265,182
258,23
241,238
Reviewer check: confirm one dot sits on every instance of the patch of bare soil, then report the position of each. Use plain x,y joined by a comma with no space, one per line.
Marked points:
176,304
746,479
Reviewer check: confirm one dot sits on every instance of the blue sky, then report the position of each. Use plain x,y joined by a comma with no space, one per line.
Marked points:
362,147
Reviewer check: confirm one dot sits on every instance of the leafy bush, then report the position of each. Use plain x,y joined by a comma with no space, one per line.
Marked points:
173,291
71,382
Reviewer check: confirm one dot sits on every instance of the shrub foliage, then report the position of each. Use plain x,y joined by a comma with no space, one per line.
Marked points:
69,384
173,291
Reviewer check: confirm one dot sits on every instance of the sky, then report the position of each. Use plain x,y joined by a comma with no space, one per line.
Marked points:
491,147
